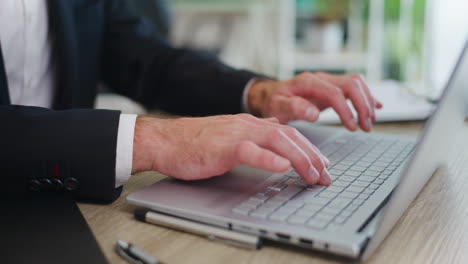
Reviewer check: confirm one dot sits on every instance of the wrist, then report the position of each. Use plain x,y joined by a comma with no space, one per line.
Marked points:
259,94
148,131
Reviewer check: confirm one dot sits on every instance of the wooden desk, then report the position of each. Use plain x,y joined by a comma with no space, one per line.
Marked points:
433,230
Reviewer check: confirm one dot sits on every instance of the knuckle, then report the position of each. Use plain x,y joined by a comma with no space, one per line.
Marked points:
241,149
275,134
335,94
290,132
244,116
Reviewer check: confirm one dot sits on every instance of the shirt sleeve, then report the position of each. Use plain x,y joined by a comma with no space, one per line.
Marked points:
124,152
245,97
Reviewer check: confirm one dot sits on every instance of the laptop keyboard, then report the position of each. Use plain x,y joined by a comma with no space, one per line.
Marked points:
359,166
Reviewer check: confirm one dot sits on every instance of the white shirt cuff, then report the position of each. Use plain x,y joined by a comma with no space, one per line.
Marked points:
245,96
124,152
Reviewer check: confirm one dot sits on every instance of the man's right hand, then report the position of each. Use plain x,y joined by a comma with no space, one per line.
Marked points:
200,148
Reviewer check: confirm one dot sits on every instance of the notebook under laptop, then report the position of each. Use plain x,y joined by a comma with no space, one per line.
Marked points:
375,178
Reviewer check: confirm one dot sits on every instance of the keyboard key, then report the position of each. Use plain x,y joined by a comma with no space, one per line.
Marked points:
278,216
348,195
289,192
315,188
371,173
305,213
387,172
366,178
259,197
297,219
347,213
355,189
301,183
317,224
278,187
260,214
241,210
374,186
378,181
363,164
360,183
330,211
352,207
312,207
335,189
341,167
293,174
341,183
347,178
346,162
357,168
381,163
318,201
340,219
339,202
352,173
363,196
376,168
368,191
327,194
324,216
295,203
358,201
333,227
251,203
275,201
335,172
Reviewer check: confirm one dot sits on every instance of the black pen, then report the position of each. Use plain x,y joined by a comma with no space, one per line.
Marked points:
133,254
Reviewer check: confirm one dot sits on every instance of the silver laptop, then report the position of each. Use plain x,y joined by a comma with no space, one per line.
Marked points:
375,178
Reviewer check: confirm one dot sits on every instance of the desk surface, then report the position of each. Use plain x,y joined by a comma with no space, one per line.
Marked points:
433,230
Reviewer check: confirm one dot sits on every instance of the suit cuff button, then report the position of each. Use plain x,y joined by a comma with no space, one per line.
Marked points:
46,184
71,184
58,185
34,185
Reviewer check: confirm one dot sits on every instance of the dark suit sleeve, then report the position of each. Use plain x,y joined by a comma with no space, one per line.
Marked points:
74,147
137,64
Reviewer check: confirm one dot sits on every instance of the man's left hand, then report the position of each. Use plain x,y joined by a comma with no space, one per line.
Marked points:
307,94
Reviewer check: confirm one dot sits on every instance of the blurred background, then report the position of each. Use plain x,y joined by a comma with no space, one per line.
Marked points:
404,48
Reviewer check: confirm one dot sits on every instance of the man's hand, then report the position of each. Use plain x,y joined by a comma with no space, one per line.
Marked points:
303,97
199,148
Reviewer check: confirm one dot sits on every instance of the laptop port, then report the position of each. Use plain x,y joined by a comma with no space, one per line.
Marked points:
283,236
306,242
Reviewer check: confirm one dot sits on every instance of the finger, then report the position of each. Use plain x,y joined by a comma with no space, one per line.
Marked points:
361,104
248,153
342,80
312,87
303,109
325,178
271,119
284,142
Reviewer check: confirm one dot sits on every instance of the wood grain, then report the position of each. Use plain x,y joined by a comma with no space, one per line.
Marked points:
433,230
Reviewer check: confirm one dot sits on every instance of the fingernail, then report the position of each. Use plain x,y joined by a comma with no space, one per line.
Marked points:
313,173
281,163
310,115
327,176
326,160
353,124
